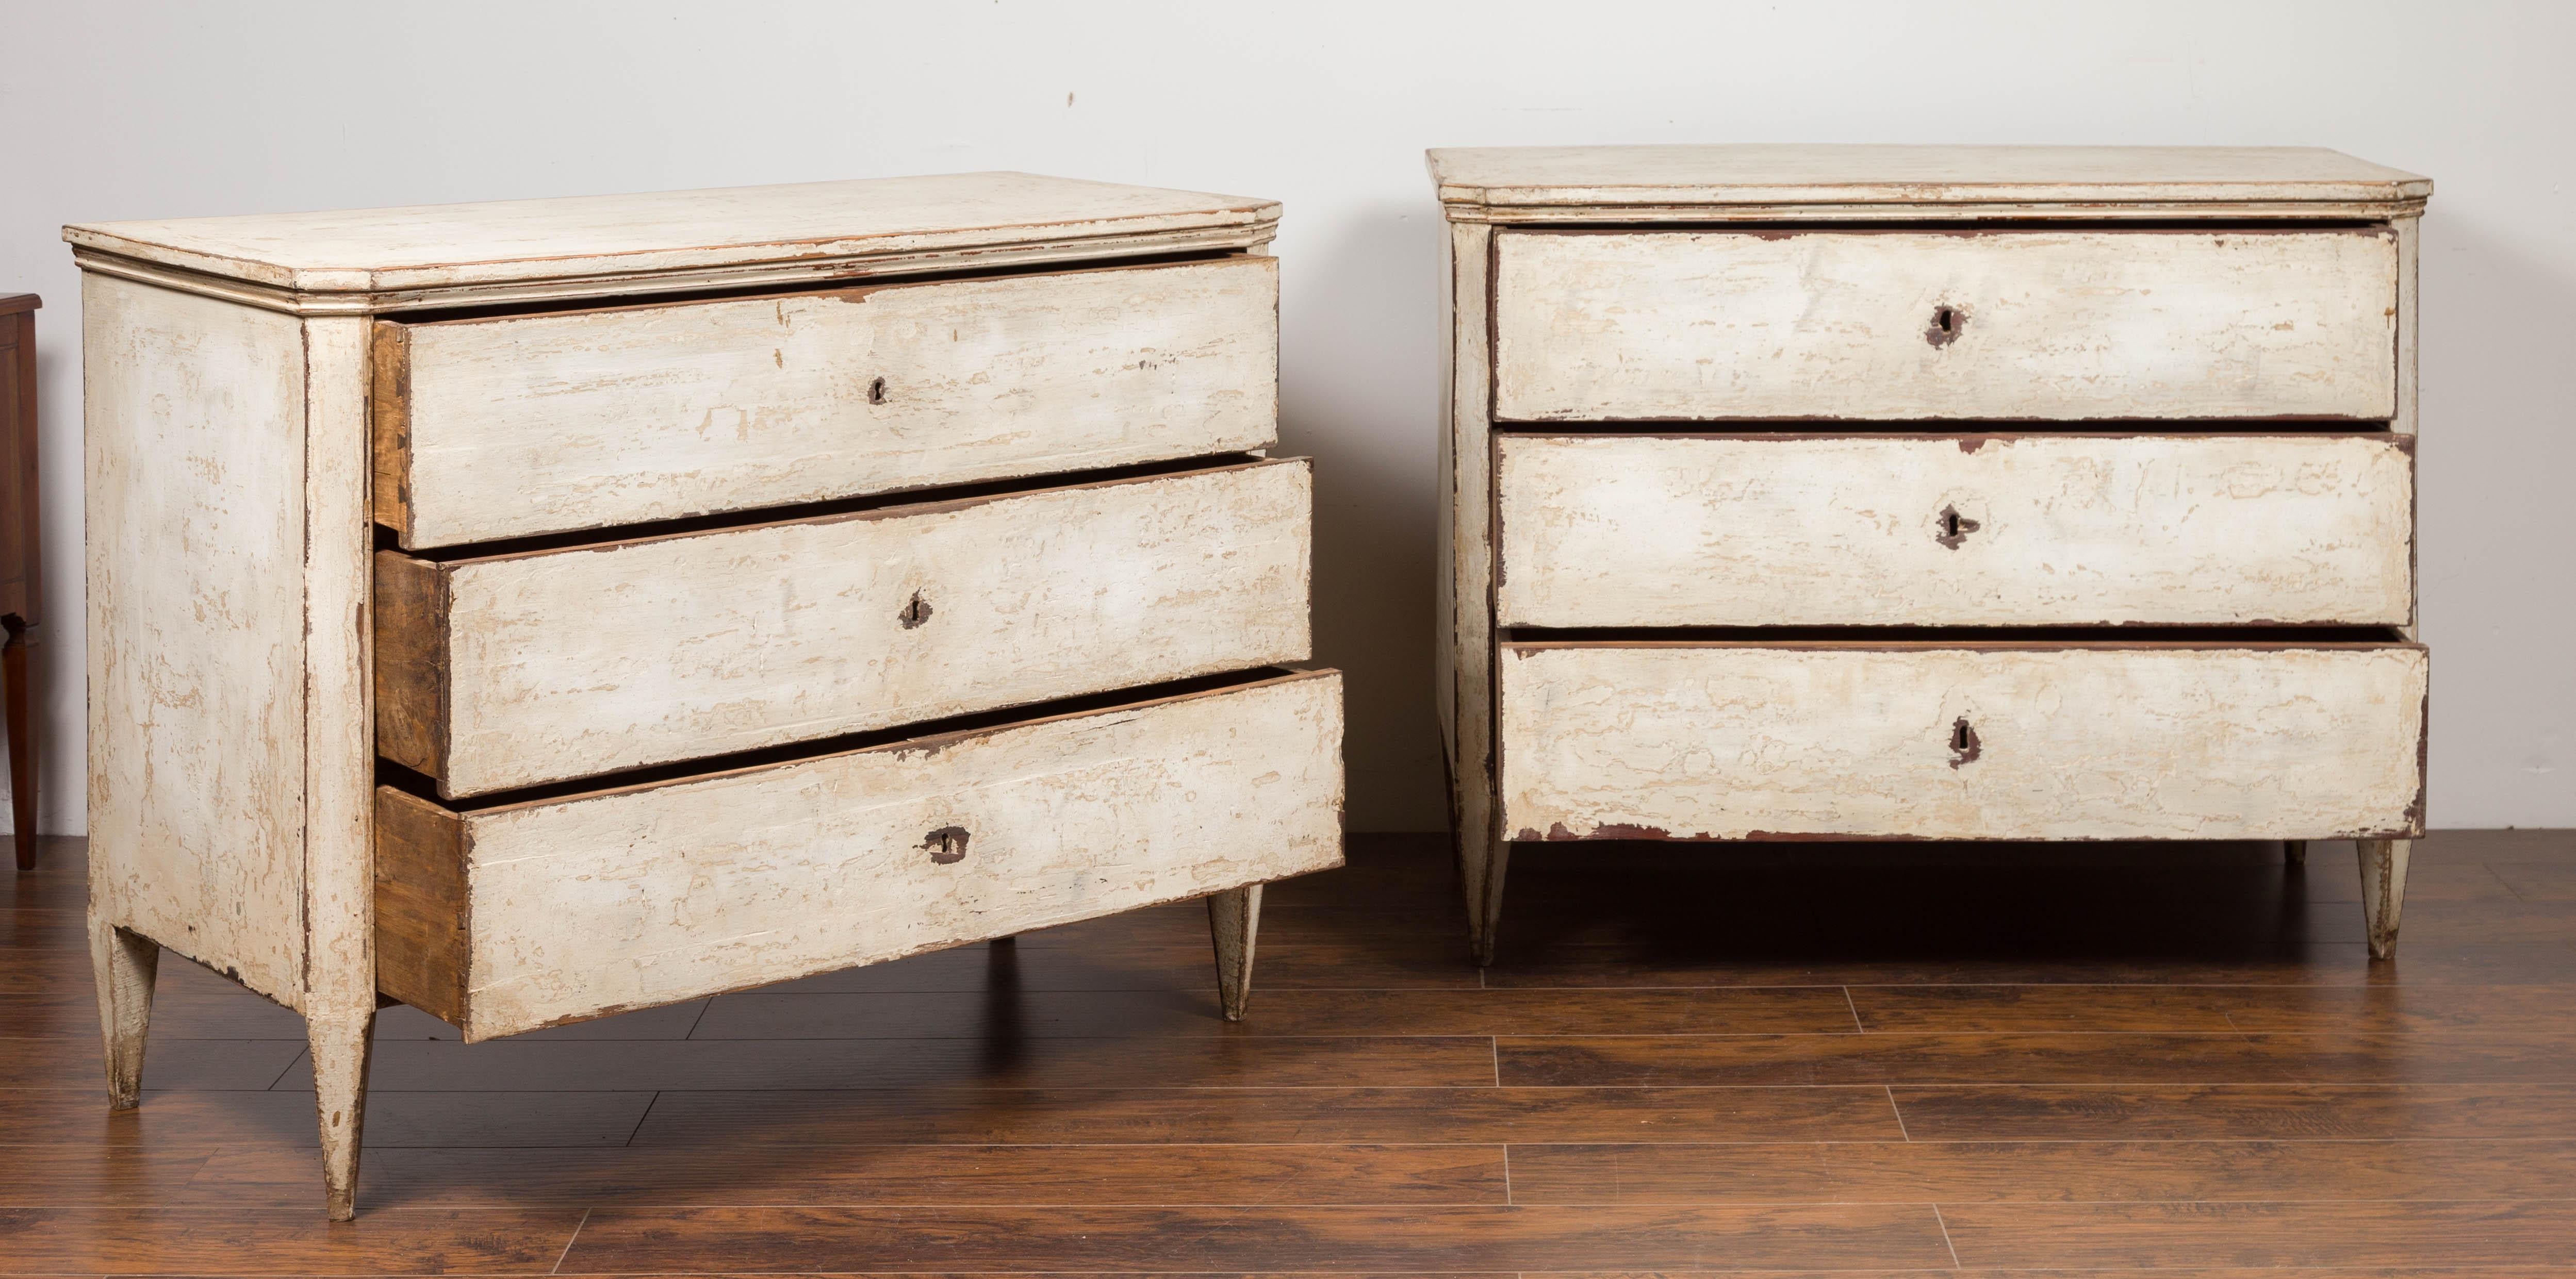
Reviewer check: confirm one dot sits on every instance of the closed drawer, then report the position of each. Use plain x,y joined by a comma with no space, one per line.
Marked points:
503,919
1986,741
517,425
513,670
1901,325
2008,530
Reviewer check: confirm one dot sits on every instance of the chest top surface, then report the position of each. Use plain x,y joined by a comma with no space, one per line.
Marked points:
1569,182
586,245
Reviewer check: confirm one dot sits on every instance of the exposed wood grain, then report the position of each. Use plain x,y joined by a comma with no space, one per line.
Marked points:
389,427
1465,624
413,612
802,867
569,663
1234,924
1706,741
2013,530
372,260
421,904
526,424
196,496
2040,324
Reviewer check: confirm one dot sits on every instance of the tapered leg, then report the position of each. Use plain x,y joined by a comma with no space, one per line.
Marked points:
1234,919
2383,890
340,1047
22,742
1481,863
124,964
2294,851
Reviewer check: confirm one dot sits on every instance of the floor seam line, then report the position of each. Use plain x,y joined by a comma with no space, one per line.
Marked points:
560,1257
1937,1219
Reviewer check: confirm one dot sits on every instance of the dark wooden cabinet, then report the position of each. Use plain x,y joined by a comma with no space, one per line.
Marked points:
20,575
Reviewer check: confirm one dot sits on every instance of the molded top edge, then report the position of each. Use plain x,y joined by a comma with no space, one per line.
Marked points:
1611,177
513,242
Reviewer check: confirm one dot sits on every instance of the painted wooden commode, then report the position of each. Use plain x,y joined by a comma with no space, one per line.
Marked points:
1931,493
534,610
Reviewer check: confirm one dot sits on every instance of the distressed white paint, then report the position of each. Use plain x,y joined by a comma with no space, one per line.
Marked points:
2050,325
570,663
576,420
196,488
1792,530
599,245
662,893
1723,741
1612,183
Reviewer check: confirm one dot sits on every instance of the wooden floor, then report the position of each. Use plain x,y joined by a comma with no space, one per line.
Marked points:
1789,1057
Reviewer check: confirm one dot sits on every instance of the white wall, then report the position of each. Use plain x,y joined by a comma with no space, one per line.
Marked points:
134,110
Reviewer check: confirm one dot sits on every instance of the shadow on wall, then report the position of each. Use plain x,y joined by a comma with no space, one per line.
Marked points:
1375,503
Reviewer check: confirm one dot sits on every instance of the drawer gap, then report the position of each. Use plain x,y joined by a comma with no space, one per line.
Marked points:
2018,224
386,538
1945,428
926,732
809,288
2323,635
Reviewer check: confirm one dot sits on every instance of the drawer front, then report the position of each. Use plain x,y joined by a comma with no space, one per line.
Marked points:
506,919
2028,530
1729,741
498,428
516,670
1915,325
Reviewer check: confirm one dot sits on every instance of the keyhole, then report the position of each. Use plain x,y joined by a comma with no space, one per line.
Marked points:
876,391
1947,320
1955,528
1964,748
915,612
947,845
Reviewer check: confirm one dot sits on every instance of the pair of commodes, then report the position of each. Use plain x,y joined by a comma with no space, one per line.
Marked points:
531,611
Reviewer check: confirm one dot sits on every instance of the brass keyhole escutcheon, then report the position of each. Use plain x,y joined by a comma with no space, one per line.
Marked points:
1964,747
915,611
876,391
1955,527
947,845
1947,321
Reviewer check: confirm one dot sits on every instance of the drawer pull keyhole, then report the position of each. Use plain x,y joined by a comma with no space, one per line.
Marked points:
876,391
1955,528
947,845
1946,323
915,612
1964,747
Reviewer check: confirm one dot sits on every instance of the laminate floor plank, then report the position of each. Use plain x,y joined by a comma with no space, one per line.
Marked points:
2264,1234
1003,1059
57,1061
1356,1238
724,1172
199,1120
2043,1171
2044,1057
1133,1116
2211,1112
498,1241
1290,1013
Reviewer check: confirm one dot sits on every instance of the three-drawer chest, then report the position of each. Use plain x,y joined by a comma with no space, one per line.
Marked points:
535,610
1954,493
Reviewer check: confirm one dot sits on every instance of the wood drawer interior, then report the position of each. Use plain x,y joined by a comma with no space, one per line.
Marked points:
2224,737
1921,324
496,670
541,907
1889,529
502,426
